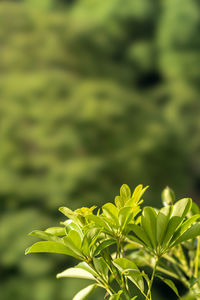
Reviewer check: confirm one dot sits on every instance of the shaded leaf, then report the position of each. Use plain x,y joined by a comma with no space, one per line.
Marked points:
103,245
170,284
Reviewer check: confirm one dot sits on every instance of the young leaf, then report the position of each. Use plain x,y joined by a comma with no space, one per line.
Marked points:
168,196
125,191
138,193
170,284
85,293
76,273
50,247
125,216
110,211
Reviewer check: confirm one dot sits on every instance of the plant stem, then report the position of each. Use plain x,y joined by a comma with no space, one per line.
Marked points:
196,266
152,278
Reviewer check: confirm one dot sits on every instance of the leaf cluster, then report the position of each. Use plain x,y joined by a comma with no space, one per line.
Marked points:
112,242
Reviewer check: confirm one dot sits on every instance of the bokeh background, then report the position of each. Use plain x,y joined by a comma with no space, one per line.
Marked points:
93,94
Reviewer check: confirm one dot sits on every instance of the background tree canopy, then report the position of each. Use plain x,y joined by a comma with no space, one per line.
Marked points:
93,94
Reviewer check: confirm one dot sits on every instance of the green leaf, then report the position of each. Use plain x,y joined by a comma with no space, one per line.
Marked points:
125,216
141,234
173,224
99,222
83,265
85,293
125,191
184,227
182,207
110,211
103,245
191,233
180,210
193,281
68,213
101,267
58,231
168,196
138,193
50,247
162,222
45,236
71,225
125,265
170,284
116,296
148,221
76,273
73,242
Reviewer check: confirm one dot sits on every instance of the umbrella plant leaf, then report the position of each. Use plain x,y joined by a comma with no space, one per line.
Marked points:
149,224
162,222
140,234
50,247
45,236
128,267
116,296
184,227
110,211
170,284
76,273
58,231
103,245
85,293
125,216
168,196
191,233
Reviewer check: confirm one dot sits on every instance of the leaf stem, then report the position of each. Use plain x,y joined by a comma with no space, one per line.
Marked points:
152,278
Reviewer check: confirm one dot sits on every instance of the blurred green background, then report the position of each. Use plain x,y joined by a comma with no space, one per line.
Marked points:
93,94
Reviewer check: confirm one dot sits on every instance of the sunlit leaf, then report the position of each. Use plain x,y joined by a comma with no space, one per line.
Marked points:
168,196
50,247
76,273
85,293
